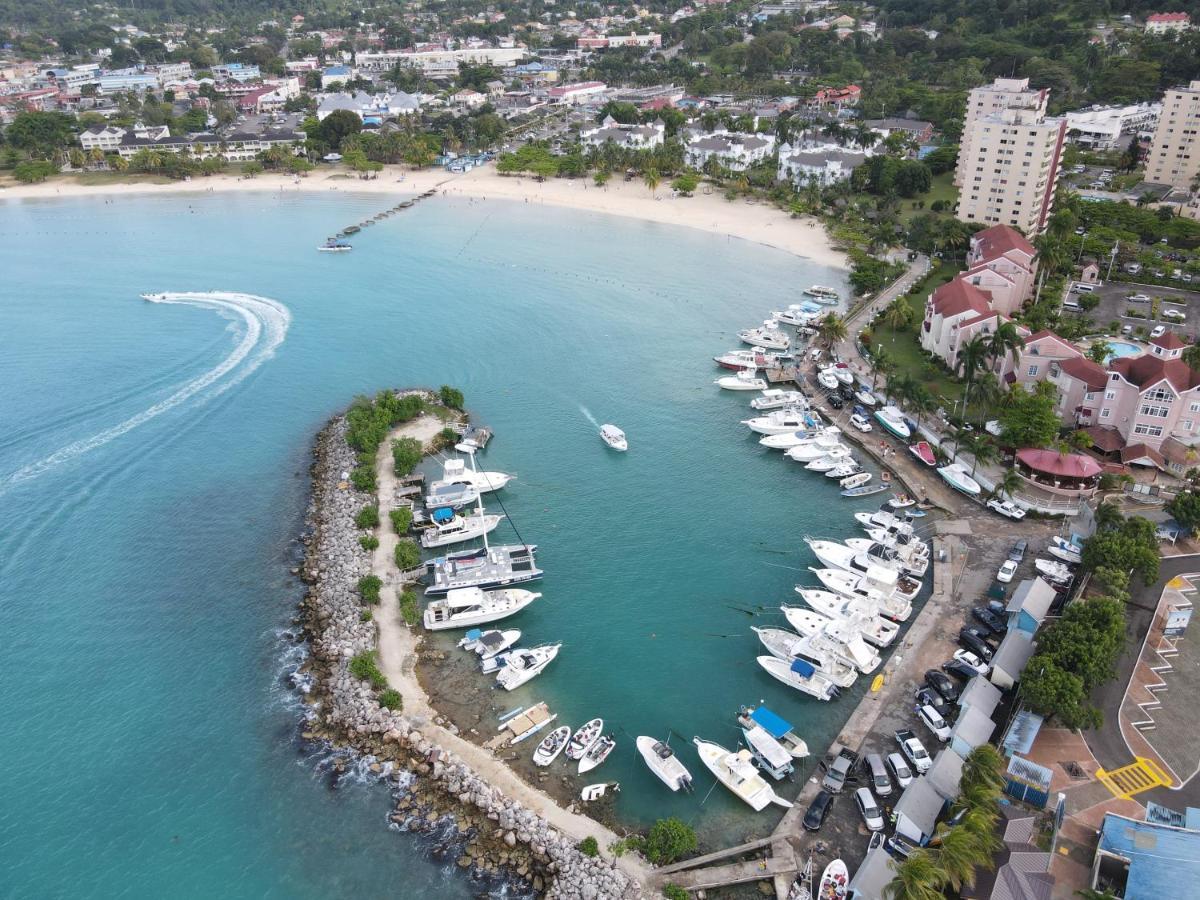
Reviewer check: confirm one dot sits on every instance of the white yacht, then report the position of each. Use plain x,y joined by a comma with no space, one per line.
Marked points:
777,398
614,437
768,336
828,435
903,540
750,359
468,607
664,762
863,615
910,562
891,418
552,745
788,646
455,471
957,476
865,397
842,373
743,380
894,593
827,379
799,675
795,315
844,638
769,755
450,528
737,772
830,461
521,666
818,449
824,295
781,421
451,495
485,567
841,556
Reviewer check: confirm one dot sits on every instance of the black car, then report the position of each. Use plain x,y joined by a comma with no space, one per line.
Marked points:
847,391
835,401
973,640
943,684
814,817
928,697
989,620
959,669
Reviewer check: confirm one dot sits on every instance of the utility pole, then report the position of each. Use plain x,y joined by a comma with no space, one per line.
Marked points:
1112,259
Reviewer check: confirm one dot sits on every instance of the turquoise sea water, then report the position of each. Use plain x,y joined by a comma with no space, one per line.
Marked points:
149,738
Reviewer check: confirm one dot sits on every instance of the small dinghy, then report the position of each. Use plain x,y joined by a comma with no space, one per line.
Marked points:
552,745
923,451
854,481
596,791
584,738
664,762
597,753
614,437
865,490
902,501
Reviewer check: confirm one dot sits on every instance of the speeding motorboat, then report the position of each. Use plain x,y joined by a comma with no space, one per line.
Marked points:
449,528
768,336
891,418
799,675
957,476
333,245
742,380
780,421
614,437
664,763
521,666
788,646
468,607
776,398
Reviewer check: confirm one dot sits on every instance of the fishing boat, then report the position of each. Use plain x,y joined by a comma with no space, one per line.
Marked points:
781,421
769,755
743,380
844,637
799,675
522,666
455,471
865,491
488,644
891,418
451,495
484,568
1068,552
827,435
737,772
923,451
750,359
776,398
447,527
584,738
893,591
957,476
334,246
468,607
596,791
768,336
855,481
664,763
826,296
788,646
827,379
614,437
835,881
1053,570
596,754
861,614
776,726
798,315
845,469
551,745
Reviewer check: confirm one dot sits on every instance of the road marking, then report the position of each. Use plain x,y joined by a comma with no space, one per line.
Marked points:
1139,776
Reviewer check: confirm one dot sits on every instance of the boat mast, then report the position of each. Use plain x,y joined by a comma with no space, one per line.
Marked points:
478,500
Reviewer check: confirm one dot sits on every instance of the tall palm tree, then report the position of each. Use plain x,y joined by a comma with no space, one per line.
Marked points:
897,316
831,329
984,765
922,402
917,878
988,392
1007,484
981,823
1005,341
881,364
958,855
972,358
981,447
1108,515
652,179
902,388
1052,256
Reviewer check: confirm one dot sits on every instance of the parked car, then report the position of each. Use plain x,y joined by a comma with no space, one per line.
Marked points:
1007,570
868,808
1138,298
972,639
900,770
967,658
877,772
838,771
914,751
1006,508
959,669
814,816
989,619
1127,330
1159,331
1177,315
941,683
934,722
860,422
929,697
1018,550
835,402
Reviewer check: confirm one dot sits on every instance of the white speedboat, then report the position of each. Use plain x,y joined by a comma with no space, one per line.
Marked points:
455,471
827,435
799,675
957,476
845,469
892,418
781,421
451,495
750,359
587,735
664,763
776,726
826,296
901,539
490,644
854,481
866,398
827,379
486,567
788,646
777,398
842,373
1070,553
768,336
888,556
894,592
614,437
552,745
522,666
769,755
841,556
743,380
829,461
468,607
795,315
737,772
451,528
596,754
811,450
844,637
1053,570
876,630
334,246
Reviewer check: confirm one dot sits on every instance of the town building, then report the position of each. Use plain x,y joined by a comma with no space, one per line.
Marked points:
236,72
836,97
1168,23
1029,603
1102,127
1147,858
916,129
579,92
956,312
438,62
628,137
1001,94
370,106
1174,157
612,41
106,138
338,75
470,98
1010,658
821,164
730,150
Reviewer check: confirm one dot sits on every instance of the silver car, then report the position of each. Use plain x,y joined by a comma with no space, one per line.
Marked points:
870,810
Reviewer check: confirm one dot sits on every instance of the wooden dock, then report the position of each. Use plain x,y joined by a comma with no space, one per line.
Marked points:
694,875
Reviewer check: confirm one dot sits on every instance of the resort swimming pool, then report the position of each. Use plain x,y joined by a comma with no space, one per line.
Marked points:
1118,349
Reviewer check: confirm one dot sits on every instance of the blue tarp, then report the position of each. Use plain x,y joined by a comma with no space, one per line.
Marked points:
443,514
473,634
771,723
801,667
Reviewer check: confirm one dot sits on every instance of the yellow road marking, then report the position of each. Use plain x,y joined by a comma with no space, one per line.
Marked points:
1139,776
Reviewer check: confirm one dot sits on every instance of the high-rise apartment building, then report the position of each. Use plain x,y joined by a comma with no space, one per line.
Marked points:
1175,149
1001,94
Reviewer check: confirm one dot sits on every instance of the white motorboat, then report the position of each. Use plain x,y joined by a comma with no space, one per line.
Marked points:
835,881
876,630
827,379
1070,553
552,745
768,336
844,637
455,471
841,556
788,646
737,772
827,435
750,359
892,418
903,501
799,675
777,398
830,461
489,643
1053,570
781,421
826,296
845,469
769,755
866,398
584,738
886,555
776,726
596,754
853,481
522,666
596,791
743,380
614,437
894,592
664,763
451,495
902,539
842,373
450,528
486,567
957,476
333,245
795,315
816,447
468,607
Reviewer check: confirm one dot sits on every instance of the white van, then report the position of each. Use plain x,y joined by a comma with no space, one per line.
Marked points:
1072,305
1080,287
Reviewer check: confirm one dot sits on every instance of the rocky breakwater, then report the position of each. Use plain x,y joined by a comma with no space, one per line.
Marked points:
503,832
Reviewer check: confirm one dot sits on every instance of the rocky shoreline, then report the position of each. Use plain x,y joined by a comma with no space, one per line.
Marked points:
500,833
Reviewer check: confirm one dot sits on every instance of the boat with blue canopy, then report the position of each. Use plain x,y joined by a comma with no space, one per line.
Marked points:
776,726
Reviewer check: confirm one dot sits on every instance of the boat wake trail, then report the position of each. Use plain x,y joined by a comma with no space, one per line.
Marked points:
587,412
266,323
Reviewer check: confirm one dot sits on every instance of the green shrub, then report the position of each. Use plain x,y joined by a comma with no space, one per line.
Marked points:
401,519
668,840
368,421
368,542
365,667
589,847
391,699
363,479
408,608
406,453
447,437
674,891
368,517
365,615
369,586
451,397
407,555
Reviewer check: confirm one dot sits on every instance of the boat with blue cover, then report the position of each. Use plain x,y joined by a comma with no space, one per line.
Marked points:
776,726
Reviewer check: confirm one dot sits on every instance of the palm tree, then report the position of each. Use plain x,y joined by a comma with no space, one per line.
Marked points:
831,329
1098,351
1079,440
897,316
902,387
958,855
881,364
983,765
1005,342
981,448
921,402
652,179
1052,255
1007,484
917,878
981,823
972,357
1108,515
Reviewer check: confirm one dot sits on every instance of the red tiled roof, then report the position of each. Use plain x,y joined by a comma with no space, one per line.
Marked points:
1044,333
1105,440
1169,341
1083,369
1168,17
957,296
1176,451
982,317
1051,462
1136,452
1148,369
999,239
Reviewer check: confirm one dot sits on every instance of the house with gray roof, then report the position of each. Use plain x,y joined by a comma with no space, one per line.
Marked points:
1010,658
945,774
972,729
1029,603
918,809
822,164
629,137
729,149
873,876
365,106
980,694
1022,870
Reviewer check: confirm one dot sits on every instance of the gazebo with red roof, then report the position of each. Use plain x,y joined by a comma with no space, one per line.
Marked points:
1071,474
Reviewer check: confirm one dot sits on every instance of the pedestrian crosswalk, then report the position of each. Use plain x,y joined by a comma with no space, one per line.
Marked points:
1142,775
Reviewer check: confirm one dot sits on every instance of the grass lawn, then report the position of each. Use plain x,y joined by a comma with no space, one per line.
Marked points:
942,188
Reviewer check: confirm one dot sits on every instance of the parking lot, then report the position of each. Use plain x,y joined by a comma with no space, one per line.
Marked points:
1114,306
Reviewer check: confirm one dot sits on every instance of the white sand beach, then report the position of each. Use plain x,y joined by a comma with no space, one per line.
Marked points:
742,219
